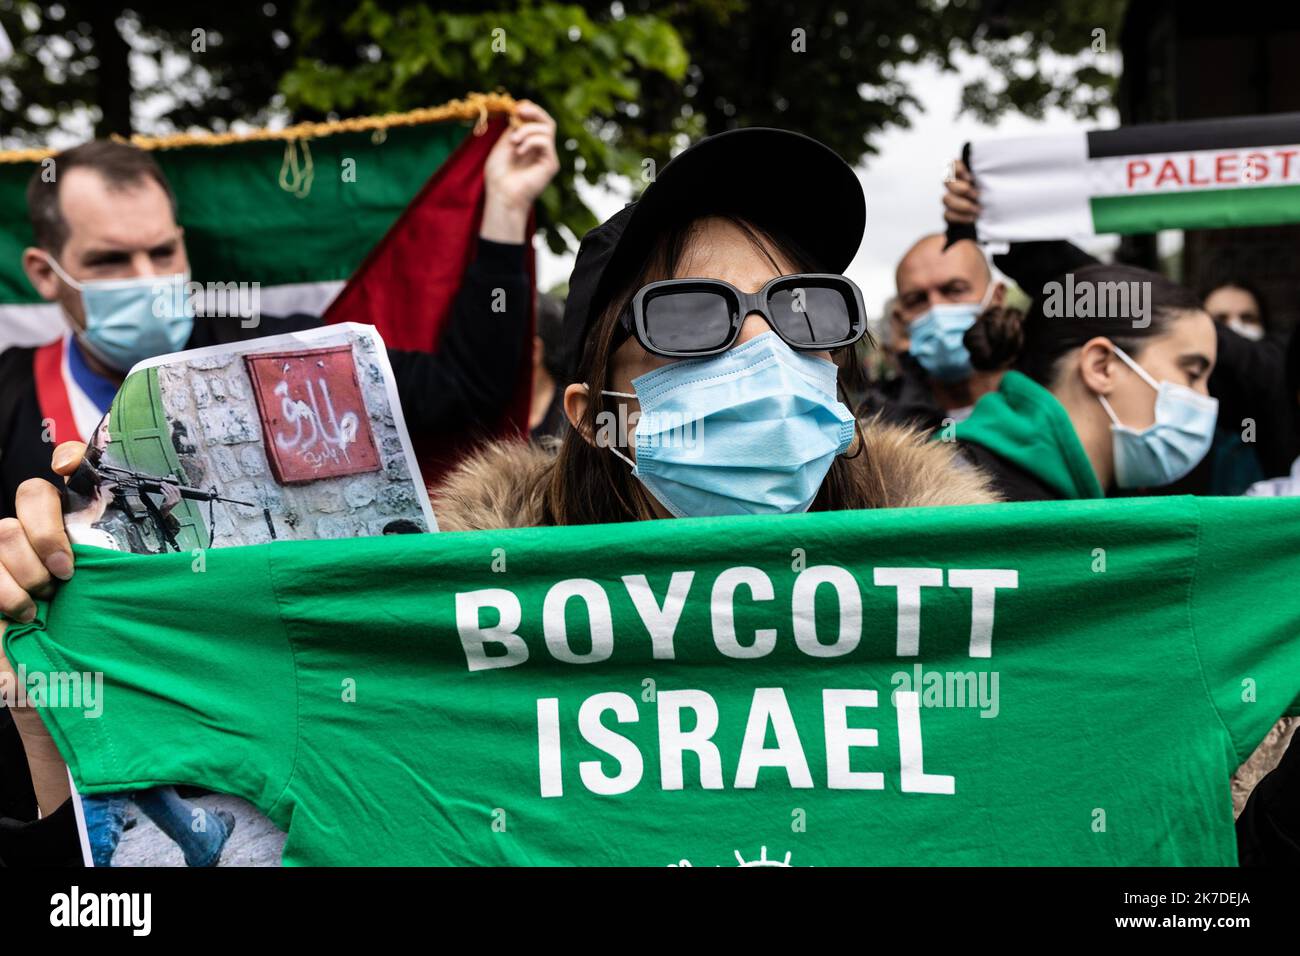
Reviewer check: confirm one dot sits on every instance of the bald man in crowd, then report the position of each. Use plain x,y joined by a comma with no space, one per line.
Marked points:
940,295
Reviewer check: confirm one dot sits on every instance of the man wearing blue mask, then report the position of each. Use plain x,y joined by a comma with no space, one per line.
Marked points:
941,293
109,250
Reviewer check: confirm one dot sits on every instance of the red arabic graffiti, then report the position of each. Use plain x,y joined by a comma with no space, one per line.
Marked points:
314,419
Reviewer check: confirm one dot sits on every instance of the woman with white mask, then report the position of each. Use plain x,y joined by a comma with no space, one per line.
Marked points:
1106,389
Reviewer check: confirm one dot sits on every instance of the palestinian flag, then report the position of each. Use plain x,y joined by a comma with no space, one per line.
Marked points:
1205,174
368,220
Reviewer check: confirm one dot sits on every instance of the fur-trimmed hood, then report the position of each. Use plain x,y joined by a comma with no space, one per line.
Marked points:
501,485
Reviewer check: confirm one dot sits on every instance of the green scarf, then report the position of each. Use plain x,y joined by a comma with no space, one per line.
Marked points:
1025,424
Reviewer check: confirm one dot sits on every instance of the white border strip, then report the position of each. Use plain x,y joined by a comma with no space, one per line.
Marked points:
25,325
28,325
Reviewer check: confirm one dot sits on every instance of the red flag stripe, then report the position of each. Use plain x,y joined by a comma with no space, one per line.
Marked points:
408,282
52,391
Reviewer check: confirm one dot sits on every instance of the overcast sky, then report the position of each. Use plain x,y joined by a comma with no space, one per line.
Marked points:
903,182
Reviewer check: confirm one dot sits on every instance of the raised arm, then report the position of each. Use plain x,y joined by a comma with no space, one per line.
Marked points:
471,378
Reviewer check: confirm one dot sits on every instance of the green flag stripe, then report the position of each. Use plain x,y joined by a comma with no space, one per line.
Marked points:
1201,209
242,226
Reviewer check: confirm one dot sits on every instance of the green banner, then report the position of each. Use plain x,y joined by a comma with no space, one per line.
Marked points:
1041,683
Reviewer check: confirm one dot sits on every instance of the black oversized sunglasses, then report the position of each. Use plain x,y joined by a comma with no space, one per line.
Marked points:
695,318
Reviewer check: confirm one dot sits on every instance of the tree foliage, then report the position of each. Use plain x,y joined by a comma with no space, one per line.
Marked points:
120,63
627,81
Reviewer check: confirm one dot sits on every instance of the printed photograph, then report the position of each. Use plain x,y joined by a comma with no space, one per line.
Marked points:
293,437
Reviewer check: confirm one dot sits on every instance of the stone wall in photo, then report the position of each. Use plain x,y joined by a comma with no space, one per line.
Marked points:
217,433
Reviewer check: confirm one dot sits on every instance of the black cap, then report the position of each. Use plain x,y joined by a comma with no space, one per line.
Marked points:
774,178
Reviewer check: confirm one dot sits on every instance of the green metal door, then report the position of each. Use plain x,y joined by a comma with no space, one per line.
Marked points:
140,436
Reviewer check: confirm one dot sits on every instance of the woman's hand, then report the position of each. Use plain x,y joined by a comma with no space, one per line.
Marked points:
961,200
34,549
520,166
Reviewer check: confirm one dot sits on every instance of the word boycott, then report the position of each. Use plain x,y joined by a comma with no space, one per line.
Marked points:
660,617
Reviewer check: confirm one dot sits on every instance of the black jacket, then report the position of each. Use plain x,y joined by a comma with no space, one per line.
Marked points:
465,386
1009,480
906,399
1268,830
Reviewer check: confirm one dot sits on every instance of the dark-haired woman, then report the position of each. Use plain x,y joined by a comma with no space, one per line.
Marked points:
1238,305
1042,436
1241,456
705,317
1091,403
759,428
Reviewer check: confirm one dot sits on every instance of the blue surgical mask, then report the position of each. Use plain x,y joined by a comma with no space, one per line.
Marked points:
938,337
751,431
130,320
1173,445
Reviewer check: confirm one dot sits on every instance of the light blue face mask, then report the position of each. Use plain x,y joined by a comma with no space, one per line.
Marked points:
130,320
1173,445
937,337
751,431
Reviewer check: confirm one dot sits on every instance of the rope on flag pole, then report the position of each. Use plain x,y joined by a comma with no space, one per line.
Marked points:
478,107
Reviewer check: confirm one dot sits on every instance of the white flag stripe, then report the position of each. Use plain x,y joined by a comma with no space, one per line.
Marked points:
1032,186
1237,168
27,325
311,298
85,413
24,326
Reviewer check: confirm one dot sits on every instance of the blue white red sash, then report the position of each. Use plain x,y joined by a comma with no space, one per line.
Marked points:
73,398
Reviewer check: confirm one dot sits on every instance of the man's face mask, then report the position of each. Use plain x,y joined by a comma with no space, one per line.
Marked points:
937,337
751,431
1173,445
130,320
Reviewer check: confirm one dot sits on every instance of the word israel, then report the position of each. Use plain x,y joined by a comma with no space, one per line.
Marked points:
77,690
660,615
1198,175
769,714
1098,300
